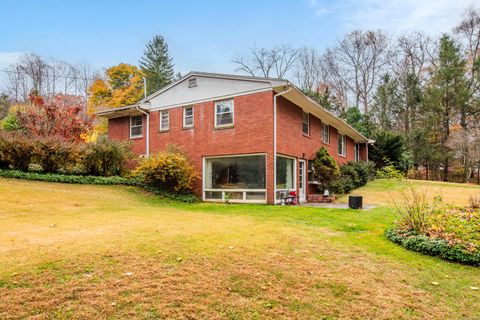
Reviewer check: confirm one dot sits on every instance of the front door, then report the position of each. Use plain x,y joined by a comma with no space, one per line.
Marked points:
302,180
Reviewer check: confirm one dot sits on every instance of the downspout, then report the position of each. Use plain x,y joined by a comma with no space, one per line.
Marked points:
275,142
147,135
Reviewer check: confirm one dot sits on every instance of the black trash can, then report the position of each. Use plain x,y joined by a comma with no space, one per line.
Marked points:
355,202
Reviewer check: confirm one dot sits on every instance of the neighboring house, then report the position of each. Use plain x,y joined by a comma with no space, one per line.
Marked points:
231,127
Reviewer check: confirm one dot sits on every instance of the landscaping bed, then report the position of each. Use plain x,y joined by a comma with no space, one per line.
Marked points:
437,229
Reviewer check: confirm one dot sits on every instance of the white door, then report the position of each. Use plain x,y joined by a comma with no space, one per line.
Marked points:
302,180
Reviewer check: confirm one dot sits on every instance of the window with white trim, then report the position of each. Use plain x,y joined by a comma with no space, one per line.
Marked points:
164,120
188,117
357,152
136,127
306,123
342,145
325,133
224,113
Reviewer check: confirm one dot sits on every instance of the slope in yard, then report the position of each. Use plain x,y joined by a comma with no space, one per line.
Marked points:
110,252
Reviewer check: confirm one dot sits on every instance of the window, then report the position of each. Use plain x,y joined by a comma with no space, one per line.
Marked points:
285,173
357,152
188,117
325,133
192,82
136,127
164,120
224,113
306,123
240,178
342,147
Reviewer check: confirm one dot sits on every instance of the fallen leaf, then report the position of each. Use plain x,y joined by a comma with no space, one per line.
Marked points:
113,304
14,274
53,225
179,259
230,247
434,283
129,274
474,288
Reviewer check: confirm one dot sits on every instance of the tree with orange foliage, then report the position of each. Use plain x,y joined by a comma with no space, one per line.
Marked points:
123,85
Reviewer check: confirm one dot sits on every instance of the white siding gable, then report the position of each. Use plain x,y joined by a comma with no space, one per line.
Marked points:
207,88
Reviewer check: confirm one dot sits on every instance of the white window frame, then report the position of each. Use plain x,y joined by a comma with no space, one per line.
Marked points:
192,116
308,123
131,127
325,133
215,114
342,152
160,117
357,152
224,191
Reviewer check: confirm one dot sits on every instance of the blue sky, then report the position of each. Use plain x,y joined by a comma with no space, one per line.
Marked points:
202,35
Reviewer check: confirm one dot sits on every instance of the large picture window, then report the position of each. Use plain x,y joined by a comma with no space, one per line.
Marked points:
136,127
285,173
224,113
241,178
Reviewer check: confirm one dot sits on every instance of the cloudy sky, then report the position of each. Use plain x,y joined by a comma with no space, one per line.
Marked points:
202,35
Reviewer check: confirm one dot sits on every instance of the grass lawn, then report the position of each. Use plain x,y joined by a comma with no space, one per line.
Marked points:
79,251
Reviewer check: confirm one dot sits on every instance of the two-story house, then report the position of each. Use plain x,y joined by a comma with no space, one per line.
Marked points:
248,137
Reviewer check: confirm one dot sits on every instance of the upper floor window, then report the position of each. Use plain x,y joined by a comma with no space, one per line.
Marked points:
224,113
357,152
192,82
136,127
325,133
188,117
342,145
164,120
306,123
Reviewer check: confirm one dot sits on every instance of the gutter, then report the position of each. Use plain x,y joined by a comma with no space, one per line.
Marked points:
147,135
275,141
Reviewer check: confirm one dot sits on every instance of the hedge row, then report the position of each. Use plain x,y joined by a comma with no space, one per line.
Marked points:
433,247
63,178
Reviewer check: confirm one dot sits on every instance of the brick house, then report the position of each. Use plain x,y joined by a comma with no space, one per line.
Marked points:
231,127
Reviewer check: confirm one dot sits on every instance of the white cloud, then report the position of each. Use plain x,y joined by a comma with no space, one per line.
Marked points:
430,16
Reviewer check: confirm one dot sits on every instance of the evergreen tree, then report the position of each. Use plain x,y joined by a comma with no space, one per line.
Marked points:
156,64
447,93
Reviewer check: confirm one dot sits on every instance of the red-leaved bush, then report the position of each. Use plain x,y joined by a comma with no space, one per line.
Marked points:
61,117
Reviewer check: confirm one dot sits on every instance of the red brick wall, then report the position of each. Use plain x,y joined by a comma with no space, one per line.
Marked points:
292,141
252,133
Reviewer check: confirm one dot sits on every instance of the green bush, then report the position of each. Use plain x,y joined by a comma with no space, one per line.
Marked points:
325,168
352,175
390,172
105,157
62,178
168,171
434,247
10,122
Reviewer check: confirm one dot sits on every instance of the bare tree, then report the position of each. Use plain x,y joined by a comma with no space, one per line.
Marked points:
358,61
308,70
48,78
267,62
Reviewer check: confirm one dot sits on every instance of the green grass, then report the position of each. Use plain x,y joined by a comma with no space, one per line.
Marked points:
115,252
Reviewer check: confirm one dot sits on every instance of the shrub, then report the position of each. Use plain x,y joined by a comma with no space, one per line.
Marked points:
168,171
53,155
352,175
105,157
62,178
10,122
325,168
15,151
434,247
389,172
